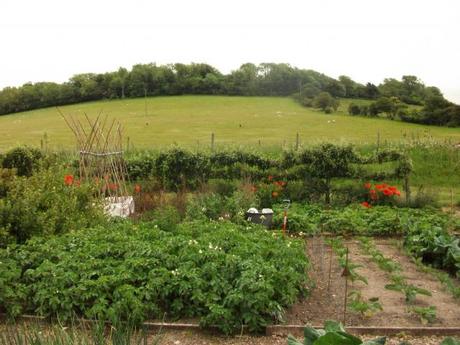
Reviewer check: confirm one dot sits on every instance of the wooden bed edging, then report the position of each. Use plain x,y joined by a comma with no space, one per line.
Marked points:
296,330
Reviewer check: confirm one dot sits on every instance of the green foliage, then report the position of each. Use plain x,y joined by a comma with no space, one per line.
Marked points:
358,304
180,169
325,102
24,159
450,341
77,333
43,205
332,334
357,220
429,240
426,314
227,275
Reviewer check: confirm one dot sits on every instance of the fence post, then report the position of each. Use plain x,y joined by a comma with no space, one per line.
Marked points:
407,189
378,141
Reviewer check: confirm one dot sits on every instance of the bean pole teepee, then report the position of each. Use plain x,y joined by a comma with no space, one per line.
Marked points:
99,144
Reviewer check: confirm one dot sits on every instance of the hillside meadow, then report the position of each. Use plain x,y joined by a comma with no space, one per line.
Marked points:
190,120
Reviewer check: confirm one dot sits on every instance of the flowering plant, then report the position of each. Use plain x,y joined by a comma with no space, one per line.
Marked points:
380,194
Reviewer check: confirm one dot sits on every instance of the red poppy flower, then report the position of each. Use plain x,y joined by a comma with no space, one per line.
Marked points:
137,188
113,186
68,180
274,194
367,185
388,192
379,186
398,193
366,204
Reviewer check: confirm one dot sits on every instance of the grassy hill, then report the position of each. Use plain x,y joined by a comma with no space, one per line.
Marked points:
190,120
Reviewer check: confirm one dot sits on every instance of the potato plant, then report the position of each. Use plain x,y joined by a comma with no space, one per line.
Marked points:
226,275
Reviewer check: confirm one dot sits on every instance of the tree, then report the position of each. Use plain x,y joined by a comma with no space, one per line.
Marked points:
354,109
325,102
327,162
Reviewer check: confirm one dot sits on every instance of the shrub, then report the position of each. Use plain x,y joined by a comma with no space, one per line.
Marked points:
43,205
354,109
24,159
222,186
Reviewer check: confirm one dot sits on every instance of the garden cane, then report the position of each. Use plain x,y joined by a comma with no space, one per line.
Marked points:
286,203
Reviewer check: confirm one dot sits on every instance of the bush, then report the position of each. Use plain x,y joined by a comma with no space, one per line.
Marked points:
222,186
24,159
354,109
224,274
43,205
181,169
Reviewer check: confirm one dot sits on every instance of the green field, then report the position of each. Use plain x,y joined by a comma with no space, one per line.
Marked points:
190,120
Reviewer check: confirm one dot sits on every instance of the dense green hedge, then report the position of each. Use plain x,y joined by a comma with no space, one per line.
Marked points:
179,168
227,275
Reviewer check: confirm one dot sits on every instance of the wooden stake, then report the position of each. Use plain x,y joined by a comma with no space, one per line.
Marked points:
330,270
346,272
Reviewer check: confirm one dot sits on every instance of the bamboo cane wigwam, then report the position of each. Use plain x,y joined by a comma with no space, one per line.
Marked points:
100,149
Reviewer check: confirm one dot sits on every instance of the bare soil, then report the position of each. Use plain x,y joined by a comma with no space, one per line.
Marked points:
324,303
199,338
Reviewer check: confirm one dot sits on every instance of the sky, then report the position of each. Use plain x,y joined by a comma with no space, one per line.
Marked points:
368,40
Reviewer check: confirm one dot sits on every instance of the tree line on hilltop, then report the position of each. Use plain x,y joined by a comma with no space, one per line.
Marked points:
310,88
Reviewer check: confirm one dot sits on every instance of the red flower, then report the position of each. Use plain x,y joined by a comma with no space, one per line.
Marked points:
379,186
68,180
274,194
113,186
366,204
388,192
137,188
397,192
367,185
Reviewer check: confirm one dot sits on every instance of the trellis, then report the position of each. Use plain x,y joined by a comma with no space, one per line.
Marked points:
99,145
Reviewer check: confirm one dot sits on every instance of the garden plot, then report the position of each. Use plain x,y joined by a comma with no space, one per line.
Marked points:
328,303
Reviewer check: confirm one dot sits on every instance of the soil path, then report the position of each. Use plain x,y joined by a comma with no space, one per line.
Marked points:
325,304
447,307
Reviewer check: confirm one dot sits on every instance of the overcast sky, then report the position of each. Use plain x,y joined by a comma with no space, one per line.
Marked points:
367,40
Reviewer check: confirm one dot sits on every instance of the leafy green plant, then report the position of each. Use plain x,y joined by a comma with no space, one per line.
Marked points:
24,159
450,341
366,308
426,314
349,267
44,205
332,334
224,274
409,290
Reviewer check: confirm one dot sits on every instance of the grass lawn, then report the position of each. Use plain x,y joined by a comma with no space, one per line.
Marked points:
190,120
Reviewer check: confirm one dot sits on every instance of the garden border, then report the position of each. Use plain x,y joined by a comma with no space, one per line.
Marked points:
278,329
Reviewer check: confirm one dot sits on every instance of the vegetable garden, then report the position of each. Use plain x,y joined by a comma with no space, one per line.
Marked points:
358,248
